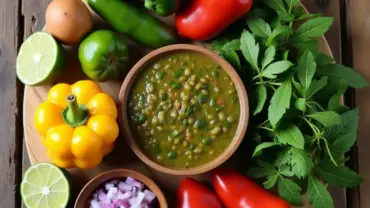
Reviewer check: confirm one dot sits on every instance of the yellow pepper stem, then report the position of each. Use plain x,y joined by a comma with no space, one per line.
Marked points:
75,115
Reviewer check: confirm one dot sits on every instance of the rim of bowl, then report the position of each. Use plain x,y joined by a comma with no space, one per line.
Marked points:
94,183
126,90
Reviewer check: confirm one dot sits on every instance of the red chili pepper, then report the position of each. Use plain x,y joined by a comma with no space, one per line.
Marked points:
192,194
238,191
205,19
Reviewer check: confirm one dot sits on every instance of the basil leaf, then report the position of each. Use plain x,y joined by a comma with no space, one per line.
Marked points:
250,49
335,99
301,163
259,27
271,181
260,96
233,45
326,118
323,59
349,125
308,16
264,169
338,175
316,86
318,195
280,101
233,58
290,191
276,68
291,135
313,28
291,4
268,57
281,30
300,104
344,143
279,7
306,69
338,71
263,146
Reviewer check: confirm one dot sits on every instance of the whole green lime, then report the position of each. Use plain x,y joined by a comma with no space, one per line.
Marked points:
103,55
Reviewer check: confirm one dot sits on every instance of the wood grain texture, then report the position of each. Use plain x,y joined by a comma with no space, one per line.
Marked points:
9,125
358,23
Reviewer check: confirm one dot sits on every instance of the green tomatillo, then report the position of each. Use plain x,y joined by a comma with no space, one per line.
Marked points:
103,55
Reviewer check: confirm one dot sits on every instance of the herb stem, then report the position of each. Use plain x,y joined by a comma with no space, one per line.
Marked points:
329,153
265,128
318,105
313,127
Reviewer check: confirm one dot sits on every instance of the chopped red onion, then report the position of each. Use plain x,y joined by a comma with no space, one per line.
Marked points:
129,193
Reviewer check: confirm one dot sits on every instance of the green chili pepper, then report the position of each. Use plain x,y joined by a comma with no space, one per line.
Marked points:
163,7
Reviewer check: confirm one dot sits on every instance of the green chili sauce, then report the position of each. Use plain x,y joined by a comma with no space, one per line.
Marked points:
183,110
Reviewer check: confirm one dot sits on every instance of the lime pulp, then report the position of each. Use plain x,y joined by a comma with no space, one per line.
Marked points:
40,59
45,186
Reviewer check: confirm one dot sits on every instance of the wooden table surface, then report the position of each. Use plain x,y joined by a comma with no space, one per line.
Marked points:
349,39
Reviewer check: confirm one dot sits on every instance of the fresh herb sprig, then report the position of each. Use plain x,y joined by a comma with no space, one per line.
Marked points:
300,129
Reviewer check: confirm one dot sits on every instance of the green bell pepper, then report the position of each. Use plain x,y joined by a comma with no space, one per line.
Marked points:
163,7
134,23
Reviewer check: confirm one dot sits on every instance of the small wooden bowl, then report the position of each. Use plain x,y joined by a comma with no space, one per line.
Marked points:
97,181
123,104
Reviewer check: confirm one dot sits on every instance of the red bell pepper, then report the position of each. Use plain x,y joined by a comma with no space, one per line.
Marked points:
237,191
192,194
205,19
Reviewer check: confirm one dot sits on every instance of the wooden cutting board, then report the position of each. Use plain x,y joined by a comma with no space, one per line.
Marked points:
122,156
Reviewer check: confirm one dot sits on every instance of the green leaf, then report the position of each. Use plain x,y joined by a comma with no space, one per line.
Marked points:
301,163
349,124
291,4
291,135
308,16
300,104
271,181
343,144
323,59
263,146
250,49
298,87
256,13
279,7
290,191
317,86
233,58
306,69
260,96
338,71
313,28
233,45
259,27
311,45
218,44
280,101
268,57
276,68
338,175
281,30
285,170
335,99
264,169
326,118
318,195
283,158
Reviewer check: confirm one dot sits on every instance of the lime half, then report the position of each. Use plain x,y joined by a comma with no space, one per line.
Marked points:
40,59
45,186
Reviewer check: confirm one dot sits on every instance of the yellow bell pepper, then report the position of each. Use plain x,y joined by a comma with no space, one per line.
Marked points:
77,124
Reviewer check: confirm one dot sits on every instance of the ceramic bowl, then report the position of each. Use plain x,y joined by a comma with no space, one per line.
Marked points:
123,108
86,193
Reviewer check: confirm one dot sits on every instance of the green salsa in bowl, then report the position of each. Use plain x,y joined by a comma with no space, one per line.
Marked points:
184,109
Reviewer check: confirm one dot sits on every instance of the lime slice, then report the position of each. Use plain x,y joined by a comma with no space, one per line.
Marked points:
45,186
40,59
